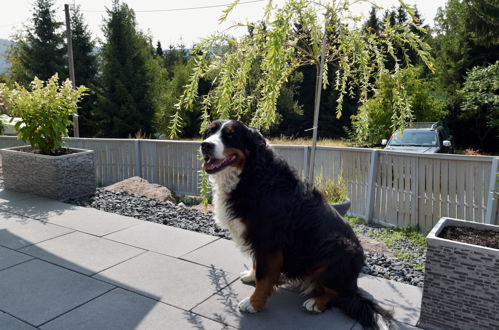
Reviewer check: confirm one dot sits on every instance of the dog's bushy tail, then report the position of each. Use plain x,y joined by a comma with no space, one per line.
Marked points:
364,310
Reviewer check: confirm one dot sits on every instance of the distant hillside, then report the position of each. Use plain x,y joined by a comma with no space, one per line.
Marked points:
4,46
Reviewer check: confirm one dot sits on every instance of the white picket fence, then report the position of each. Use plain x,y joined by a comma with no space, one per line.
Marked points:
403,189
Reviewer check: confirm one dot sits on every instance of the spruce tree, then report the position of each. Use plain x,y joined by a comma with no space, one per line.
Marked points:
126,99
40,50
85,62
159,49
373,21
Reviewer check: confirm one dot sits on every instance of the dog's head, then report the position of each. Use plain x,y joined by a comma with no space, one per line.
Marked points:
228,143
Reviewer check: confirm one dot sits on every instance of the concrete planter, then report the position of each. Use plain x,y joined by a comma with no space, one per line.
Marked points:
461,288
58,177
343,207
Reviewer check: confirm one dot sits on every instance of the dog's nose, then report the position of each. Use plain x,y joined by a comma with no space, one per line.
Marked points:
206,147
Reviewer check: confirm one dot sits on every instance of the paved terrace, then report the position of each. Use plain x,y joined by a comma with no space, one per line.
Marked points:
67,267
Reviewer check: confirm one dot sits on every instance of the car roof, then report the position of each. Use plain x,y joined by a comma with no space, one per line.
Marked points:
420,129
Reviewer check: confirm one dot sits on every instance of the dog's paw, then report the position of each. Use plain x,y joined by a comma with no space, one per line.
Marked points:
248,276
246,306
311,306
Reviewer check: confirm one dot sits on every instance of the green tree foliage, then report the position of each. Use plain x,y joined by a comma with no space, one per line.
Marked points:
480,95
465,37
280,49
179,74
40,50
460,42
129,86
375,118
86,67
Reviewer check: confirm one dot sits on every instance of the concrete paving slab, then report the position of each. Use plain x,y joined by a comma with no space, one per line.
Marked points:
36,291
176,282
36,207
7,196
82,252
283,311
124,310
162,239
223,254
10,258
17,231
404,299
11,323
92,221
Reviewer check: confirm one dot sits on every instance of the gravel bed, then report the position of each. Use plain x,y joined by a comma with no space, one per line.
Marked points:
147,209
167,213
379,265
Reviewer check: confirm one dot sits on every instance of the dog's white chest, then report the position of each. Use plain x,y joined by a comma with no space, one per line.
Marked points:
223,184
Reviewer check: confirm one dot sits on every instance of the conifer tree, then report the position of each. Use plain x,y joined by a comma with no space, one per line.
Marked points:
159,49
85,62
126,99
40,49
373,21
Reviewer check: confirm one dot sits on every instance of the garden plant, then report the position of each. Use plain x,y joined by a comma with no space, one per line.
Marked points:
45,111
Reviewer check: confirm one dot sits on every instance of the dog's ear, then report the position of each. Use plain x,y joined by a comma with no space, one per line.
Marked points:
255,138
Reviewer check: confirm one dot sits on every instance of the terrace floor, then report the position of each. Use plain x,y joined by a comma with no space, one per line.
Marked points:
68,267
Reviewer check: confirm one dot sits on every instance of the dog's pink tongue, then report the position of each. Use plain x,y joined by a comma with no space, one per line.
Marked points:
213,163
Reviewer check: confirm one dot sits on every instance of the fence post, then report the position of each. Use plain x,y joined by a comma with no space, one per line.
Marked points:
415,192
138,159
371,185
493,186
155,169
305,162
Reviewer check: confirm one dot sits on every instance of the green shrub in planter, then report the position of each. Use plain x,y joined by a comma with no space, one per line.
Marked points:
45,111
333,191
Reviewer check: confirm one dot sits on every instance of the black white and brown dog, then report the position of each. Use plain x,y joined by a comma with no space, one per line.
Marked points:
284,224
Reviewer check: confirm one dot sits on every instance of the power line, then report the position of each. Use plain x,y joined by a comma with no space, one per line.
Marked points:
179,9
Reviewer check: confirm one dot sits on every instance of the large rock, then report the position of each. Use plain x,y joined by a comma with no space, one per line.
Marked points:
139,186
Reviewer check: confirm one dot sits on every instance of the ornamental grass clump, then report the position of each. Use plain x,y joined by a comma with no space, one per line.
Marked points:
45,111
335,191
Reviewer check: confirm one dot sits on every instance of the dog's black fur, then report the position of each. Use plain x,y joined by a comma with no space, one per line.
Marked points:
281,213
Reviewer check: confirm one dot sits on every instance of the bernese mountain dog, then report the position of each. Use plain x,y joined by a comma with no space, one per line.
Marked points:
284,224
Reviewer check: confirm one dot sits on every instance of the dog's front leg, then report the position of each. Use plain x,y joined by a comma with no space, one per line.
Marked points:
268,271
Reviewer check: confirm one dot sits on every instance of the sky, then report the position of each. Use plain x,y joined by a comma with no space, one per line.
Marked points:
175,21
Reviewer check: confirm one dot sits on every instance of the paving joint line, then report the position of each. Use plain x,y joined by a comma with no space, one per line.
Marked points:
45,240
202,246
19,319
119,263
72,309
20,263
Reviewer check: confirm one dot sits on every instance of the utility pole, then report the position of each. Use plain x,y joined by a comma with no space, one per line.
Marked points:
76,129
318,89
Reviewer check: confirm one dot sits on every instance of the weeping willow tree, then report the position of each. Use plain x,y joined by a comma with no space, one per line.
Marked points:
249,72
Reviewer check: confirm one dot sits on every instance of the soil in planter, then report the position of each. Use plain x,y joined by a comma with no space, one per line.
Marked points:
487,238
60,152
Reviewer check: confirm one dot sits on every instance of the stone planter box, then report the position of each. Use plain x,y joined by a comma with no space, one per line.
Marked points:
343,207
461,287
57,177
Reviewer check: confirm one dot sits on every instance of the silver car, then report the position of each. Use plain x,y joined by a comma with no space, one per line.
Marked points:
424,140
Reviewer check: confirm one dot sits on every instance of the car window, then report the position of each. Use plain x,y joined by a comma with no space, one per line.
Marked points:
414,138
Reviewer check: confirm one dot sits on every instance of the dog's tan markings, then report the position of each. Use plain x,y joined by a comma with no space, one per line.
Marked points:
323,300
213,125
228,130
266,285
241,156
